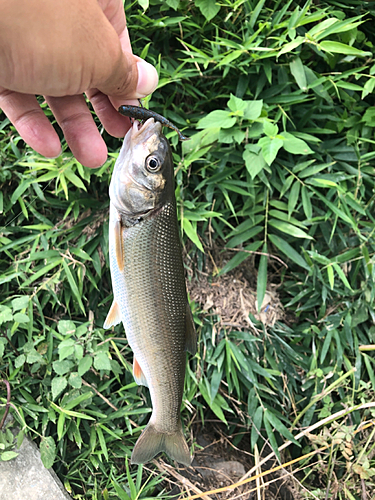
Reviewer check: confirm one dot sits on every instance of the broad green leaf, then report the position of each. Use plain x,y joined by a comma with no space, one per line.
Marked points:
270,129
270,148
342,48
172,3
209,8
253,109
101,361
369,117
217,118
48,451
33,356
295,145
58,385
254,160
236,104
285,227
66,348
8,455
75,380
2,349
62,367
368,87
20,302
21,318
5,314
262,277
20,360
66,327
230,135
144,4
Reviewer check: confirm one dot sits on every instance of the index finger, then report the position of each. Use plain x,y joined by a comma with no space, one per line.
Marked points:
24,111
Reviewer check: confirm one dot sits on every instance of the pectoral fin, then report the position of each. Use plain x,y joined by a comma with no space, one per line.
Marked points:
138,374
114,317
191,334
119,249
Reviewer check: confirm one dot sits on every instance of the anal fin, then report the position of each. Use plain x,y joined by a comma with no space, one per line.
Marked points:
138,374
113,317
190,332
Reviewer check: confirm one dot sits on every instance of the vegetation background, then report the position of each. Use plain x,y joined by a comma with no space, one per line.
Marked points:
278,99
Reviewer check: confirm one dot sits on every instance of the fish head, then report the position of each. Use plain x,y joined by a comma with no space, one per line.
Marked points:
142,179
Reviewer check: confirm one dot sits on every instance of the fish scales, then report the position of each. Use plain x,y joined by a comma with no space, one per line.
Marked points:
148,283
155,310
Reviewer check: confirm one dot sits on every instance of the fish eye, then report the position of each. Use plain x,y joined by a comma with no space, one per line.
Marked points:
153,164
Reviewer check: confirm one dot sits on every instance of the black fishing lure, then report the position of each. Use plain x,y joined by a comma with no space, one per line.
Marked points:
144,114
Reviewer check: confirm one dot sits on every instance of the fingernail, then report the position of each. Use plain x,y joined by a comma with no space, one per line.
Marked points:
147,78
54,157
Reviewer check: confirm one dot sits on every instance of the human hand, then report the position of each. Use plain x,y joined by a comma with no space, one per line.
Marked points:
62,49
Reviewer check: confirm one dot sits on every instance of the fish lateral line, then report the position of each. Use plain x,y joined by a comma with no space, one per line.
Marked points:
144,114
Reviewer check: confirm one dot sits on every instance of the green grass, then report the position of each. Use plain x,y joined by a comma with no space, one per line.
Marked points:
278,100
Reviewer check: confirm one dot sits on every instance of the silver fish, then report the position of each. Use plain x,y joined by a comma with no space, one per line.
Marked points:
148,284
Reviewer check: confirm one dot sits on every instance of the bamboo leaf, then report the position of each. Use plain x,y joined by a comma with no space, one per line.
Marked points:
289,251
262,278
73,285
342,48
285,227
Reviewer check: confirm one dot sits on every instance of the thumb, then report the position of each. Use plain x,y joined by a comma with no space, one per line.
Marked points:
131,78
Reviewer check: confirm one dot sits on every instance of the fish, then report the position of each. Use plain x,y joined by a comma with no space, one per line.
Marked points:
148,282
141,113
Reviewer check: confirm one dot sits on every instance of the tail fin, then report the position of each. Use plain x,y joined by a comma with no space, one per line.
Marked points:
151,442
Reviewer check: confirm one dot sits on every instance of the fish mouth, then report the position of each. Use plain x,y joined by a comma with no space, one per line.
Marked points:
143,132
